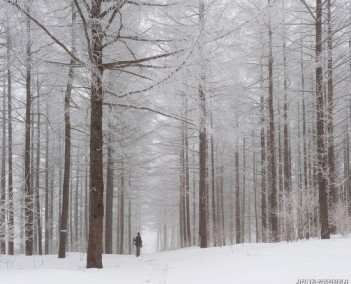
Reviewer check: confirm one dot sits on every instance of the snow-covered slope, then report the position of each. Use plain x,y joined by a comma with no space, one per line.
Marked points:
248,263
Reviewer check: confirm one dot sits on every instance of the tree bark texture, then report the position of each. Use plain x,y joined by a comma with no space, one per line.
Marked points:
96,212
320,129
271,158
28,211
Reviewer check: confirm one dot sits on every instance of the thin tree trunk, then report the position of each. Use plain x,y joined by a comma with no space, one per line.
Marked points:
28,212
264,231
237,198
187,179
121,210
10,169
130,226
271,145
244,194
287,162
304,134
76,210
67,165
109,196
330,120
281,192
202,150
301,196
182,208
3,175
347,185
221,187
214,224
254,174
51,211
194,201
263,176
47,189
32,179
37,178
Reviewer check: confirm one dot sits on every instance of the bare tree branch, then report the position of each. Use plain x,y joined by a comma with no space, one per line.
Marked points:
151,4
150,109
41,26
309,10
119,64
85,28
115,8
86,5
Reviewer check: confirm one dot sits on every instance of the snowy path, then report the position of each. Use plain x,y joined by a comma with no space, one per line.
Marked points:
245,264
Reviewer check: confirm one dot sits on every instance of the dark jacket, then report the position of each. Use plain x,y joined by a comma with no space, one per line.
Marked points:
137,241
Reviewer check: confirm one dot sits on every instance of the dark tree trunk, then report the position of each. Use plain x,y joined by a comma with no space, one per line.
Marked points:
347,184
187,179
96,212
121,210
182,213
280,178
271,144
330,120
28,212
47,189
67,165
37,178
10,169
320,128
194,240
221,194
237,198
130,227
202,152
286,154
305,157
67,162
244,194
3,174
254,174
213,195
109,196
263,176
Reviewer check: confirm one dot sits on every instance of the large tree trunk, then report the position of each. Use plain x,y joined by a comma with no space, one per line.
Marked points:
286,154
263,158
320,128
95,248
67,164
306,215
202,151
330,120
271,143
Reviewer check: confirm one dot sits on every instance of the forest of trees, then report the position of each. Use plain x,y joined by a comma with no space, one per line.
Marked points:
209,122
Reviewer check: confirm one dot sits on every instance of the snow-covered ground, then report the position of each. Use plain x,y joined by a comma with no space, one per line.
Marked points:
280,263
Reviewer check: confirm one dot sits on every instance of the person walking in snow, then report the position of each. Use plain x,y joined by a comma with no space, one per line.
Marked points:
138,243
